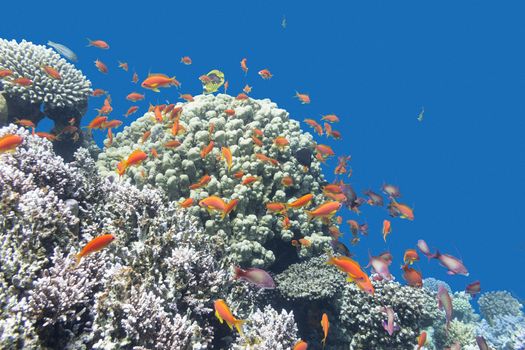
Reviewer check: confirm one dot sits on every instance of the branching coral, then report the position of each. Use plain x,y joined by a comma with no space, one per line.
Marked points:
249,229
505,332
499,303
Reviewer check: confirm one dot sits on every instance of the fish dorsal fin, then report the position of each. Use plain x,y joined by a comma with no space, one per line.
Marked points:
157,75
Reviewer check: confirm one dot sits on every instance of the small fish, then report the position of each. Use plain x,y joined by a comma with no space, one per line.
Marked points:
412,276
64,51
423,247
10,142
207,149
328,129
131,110
258,142
154,152
134,97
101,44
248,180
123,65
95,245
473,288
276,207
332,118
283,22
145,136
287,181
227,156
402,210
135,158
281,142
265,74
386,257
379,266
325,150
286,222
340,248
301,202
188,202
52,72
391,190
304,157
421,114
301,242
226,86
223,313
389,325
229,112
110,137
111,124
135,78
421,340
4,73
304,98
454,265
101,66
300,345
255,276
213,203
212,81
244,67
445,302
26,123
410,256
325,210
340,169
186,97
373,198
247,89
242,96
239,174
98,92
258,132
172,144
23,82
203,181
186,60
325,324
267,159
177,128
46,135
97,122
156,81
348,266
230,206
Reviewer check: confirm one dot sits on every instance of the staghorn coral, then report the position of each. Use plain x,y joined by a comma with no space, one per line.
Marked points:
26,59
268,330
249,230
498,303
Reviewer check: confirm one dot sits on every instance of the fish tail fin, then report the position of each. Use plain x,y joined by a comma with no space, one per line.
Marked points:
238,272
89,42
78,258
238,324
309,214
323,342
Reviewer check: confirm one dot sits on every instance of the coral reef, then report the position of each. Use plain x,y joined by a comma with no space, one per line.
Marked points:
463,309
498,303
432,284
250,230
504,332
458,332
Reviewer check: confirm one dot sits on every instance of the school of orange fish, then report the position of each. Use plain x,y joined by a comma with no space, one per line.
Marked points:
337,193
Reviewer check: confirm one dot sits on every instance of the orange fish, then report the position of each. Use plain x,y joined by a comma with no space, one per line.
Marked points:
135,158
334,232
319,130
281,142
304,98
111,124
101,66
154,153
247,89
25,123
239,174
213,203
244,67
332,188
134,97
348,266
250,179
258,132
365,285
177,128
110,138
401,210
203,181
187,97
257,141
223,313
123,65
52,72
226,86
101,44
325,150
286,222
5,73
412,276
341,166
241,97
266,159
145,136
157,112
276,207
186,60
229,207
332,118
328,129
188,202
300,345
301,242
311,123
387,228
336,135
265,74
287,181
421,340
98,92
227,156
207,149
131,110
10,142
325,325
301,202
325,210
95,245
172,144
23,81
97,122
410,256
46,135
135,78
230,112
156,81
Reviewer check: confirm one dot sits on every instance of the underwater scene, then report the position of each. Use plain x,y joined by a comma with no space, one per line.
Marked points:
262,175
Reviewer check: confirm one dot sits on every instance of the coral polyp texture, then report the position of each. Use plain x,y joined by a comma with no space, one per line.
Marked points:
26,60
250,228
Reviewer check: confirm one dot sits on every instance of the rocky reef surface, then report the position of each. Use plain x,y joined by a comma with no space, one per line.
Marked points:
154,286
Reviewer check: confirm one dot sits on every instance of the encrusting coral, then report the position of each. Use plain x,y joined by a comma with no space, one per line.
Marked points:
249,227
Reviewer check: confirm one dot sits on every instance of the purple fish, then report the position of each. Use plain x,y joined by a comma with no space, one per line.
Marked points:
445,302
391,190
258,277
380,266
454,265
374,198
423,247
473,288
340,248
389,324
482,343
352,202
